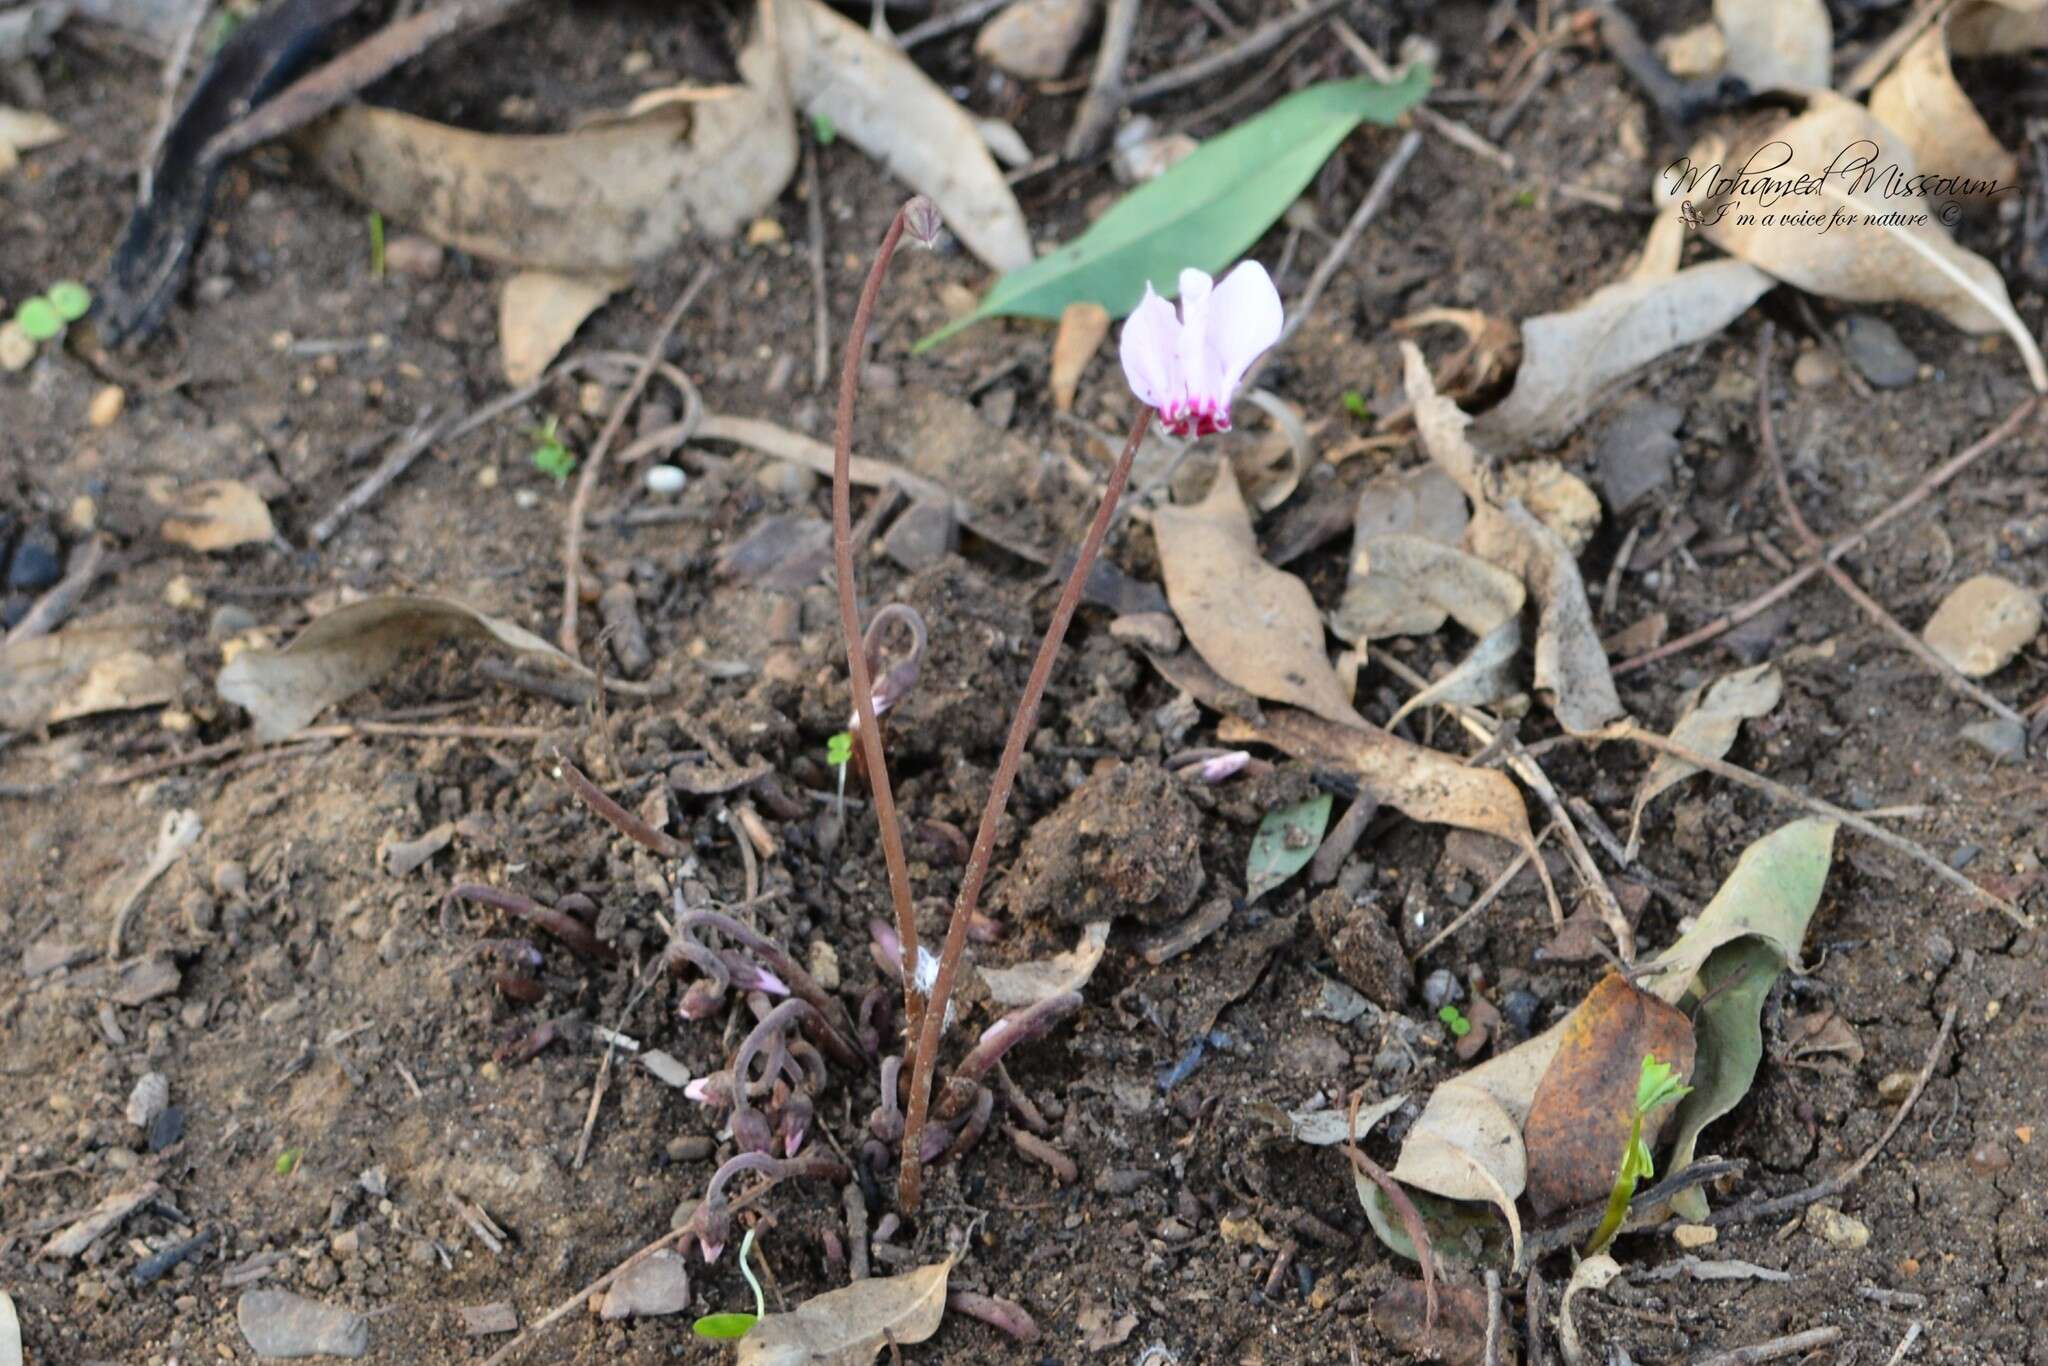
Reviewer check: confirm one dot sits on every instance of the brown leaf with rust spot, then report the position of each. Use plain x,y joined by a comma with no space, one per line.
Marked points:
1579,1120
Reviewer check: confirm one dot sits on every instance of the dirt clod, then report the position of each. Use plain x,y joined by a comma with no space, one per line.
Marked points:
1126,843
1368,956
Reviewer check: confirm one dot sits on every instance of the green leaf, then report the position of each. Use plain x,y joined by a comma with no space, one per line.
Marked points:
1730,1040
1204,211
1459,1233
40,319
824,130
724,1327
71,299
1288,838
839,749
288,1161
552,458
1355,404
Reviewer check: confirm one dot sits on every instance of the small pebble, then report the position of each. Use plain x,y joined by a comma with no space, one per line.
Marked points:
279,1325
1815,368
690,1148
1982,624
1997,738
1964,857
17,348
1989,1159
1896,1086
1441,988
230,620
1691,1236
1520,1008
38,559
658,1285
1874,348
419,257
1836,1229
665,1066
1941,950
665,481
106,406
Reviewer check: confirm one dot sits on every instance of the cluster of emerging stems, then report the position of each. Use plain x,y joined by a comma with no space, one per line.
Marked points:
925,1017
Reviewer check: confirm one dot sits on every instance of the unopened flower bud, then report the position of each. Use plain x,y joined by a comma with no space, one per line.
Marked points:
922,221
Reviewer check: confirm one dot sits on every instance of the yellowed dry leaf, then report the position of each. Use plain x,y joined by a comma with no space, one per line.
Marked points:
1921,101
540,310
218,514
1024,984
82,672
1082,327
1255,625
1777,44
850,1325
1707,724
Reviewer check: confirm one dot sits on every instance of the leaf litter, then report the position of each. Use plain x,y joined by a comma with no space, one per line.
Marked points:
1708,720
850,1325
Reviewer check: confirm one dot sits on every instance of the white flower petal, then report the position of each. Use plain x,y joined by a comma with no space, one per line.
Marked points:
1245,319
1150,348
1198,375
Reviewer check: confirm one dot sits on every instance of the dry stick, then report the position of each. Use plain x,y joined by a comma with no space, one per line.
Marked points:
858,674
1493,1317
52,607
1887,53
1913,1331
1248,48
1453,132
939,25
1532,775
1368,209
1950,676
1106,85
1786,587
1397,1196
1629,730
579,505
167,109
1532,1300
1485,899
1021,726
1776,1349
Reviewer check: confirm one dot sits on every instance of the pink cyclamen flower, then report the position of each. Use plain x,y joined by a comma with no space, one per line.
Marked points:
1188,366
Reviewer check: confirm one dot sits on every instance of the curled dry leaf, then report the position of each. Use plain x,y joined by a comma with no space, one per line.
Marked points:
82,672
1025,984
881,101
540,310
1579,1119
1327,1128
1571,667
352,647
1555,497
1492,348
1255,625
1777,44
1082,328
1574,360
1921,101
847,1327
1408,585
1707,722
1422,784
1594,1273
1902,254
605,198
218,514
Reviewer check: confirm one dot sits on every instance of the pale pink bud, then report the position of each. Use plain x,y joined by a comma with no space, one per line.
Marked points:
921,219
1224,766
1189,365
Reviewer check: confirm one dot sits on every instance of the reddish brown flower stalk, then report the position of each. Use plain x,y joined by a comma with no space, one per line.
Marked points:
910,1189
849,614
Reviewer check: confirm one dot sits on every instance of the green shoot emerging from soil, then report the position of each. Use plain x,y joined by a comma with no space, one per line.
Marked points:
1355,404
1455,1021
44,317
376,245
730,1327
550,456
1654,1087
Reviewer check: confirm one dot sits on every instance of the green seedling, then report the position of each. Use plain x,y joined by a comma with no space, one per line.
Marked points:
550,456
1455,1020
1524,200
839,753
44,317
1654,1087
71,299
288,1161
1355,404
731,1327
824,130
376,245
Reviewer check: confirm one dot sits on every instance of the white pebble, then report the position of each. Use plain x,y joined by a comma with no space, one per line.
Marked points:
666,480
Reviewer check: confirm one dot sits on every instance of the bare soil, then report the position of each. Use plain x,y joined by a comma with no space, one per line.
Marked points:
328,1008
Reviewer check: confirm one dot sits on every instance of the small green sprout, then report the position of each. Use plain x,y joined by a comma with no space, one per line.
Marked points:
1355,404
39,319
839,749
376,245
1526,199
731,1327
1655,1086
1455,1020
824,130
71,299
550,456
288,1161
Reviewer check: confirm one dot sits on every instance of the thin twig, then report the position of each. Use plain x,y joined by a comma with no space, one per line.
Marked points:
167,107
1543,1242
579,504
1485,898
1776,1349
1886,54
1252,46
1950,676
1021,725
1493,1317
1367,210
1629,730
1913,1331
1533,1302
1764,601
1106,85
858,674
52,607
952,21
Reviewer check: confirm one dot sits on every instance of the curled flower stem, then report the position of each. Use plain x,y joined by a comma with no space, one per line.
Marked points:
747,1125
712,1222
849,614
831,1016
1019,1026
556,922
911,1183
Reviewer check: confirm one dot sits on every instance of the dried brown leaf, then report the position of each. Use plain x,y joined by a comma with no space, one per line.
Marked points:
1921,101
1707,723
1579,1118
848,1326
82,672
218,514
1023,984
1082,328
1407,585
1777,44
1990,29
540,310
352,647
1255,625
